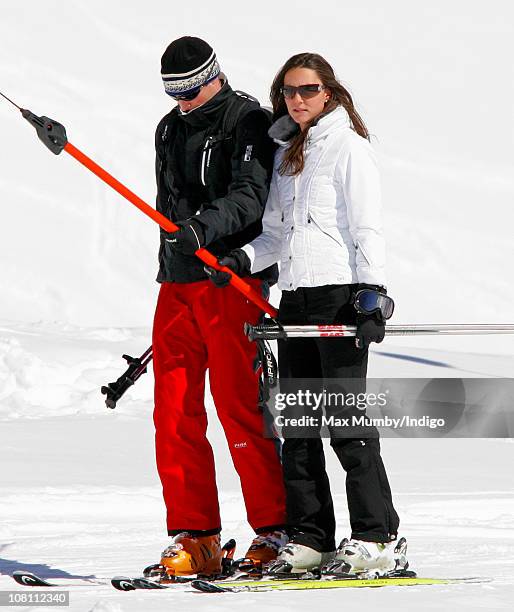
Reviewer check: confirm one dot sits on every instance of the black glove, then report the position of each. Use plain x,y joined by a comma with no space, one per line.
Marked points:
188,238
236,260
370,328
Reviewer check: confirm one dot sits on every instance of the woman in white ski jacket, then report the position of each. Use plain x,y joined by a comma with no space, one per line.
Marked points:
323,225
322,222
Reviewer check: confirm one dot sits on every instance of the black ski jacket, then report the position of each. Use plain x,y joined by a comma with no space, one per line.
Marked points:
213,165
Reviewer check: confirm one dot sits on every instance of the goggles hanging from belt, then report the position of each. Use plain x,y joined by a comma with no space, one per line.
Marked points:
370,301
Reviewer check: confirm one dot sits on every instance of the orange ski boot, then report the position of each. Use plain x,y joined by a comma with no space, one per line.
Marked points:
263,549
188,555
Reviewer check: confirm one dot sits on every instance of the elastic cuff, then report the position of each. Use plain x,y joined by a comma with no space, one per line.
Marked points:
270,528
373,537
196,533
246,262
305,540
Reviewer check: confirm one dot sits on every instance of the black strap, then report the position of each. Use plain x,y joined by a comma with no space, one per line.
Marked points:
164,178
235,107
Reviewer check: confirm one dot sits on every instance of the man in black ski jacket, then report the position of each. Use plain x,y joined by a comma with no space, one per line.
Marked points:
213,166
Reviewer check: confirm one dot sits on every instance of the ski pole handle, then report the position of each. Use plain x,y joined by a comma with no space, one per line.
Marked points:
168,226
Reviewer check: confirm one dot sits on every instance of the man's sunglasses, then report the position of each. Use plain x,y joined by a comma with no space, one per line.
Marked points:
187,95
305,91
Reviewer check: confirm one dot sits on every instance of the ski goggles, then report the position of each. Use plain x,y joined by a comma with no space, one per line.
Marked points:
186,95
191,93
305,91
370,301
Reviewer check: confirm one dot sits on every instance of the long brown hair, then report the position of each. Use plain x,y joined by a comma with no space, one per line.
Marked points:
293,161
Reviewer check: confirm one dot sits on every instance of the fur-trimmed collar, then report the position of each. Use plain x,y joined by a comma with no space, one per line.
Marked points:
285,128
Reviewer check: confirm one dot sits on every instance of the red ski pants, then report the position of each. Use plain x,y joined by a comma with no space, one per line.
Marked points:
198,326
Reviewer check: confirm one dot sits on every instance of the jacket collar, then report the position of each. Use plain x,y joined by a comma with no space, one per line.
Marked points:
208,113
284,128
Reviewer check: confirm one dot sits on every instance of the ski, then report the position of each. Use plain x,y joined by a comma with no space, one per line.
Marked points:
323,583
32,580
123,583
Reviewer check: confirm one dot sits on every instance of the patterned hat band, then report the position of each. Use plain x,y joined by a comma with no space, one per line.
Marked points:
182,83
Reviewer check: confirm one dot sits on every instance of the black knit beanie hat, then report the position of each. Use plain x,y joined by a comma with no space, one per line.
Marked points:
188,63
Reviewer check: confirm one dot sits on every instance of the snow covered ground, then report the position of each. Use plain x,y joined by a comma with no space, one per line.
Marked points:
79,494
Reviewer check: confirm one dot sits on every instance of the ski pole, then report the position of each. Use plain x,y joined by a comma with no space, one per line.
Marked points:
53,135
272,330
137,367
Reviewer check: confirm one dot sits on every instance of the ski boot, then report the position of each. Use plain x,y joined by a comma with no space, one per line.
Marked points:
298,559
263,550
189,555
369,559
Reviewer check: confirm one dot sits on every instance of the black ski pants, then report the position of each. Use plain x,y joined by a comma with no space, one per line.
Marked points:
310,510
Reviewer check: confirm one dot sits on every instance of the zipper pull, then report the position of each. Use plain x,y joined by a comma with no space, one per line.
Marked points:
204,164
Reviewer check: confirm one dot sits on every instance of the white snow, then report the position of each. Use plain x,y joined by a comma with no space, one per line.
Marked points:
80,496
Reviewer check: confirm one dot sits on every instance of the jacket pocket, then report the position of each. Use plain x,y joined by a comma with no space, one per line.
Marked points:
333,235
364,254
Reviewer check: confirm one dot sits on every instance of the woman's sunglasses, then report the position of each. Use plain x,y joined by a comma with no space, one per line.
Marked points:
305,91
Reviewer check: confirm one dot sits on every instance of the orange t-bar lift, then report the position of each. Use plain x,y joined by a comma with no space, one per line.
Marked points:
53,135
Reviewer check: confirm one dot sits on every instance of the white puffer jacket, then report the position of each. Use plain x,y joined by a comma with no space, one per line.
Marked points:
324,225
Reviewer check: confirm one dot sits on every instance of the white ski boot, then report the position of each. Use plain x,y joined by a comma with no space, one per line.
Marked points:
369,559
298,559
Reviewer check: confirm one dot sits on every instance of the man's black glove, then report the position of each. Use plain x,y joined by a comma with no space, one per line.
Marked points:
370,328
188,238
236,260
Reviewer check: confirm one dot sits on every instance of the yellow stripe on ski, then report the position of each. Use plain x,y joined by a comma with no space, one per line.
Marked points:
267,585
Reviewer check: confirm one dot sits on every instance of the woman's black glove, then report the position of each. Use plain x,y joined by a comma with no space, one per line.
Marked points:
370,328
237,260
